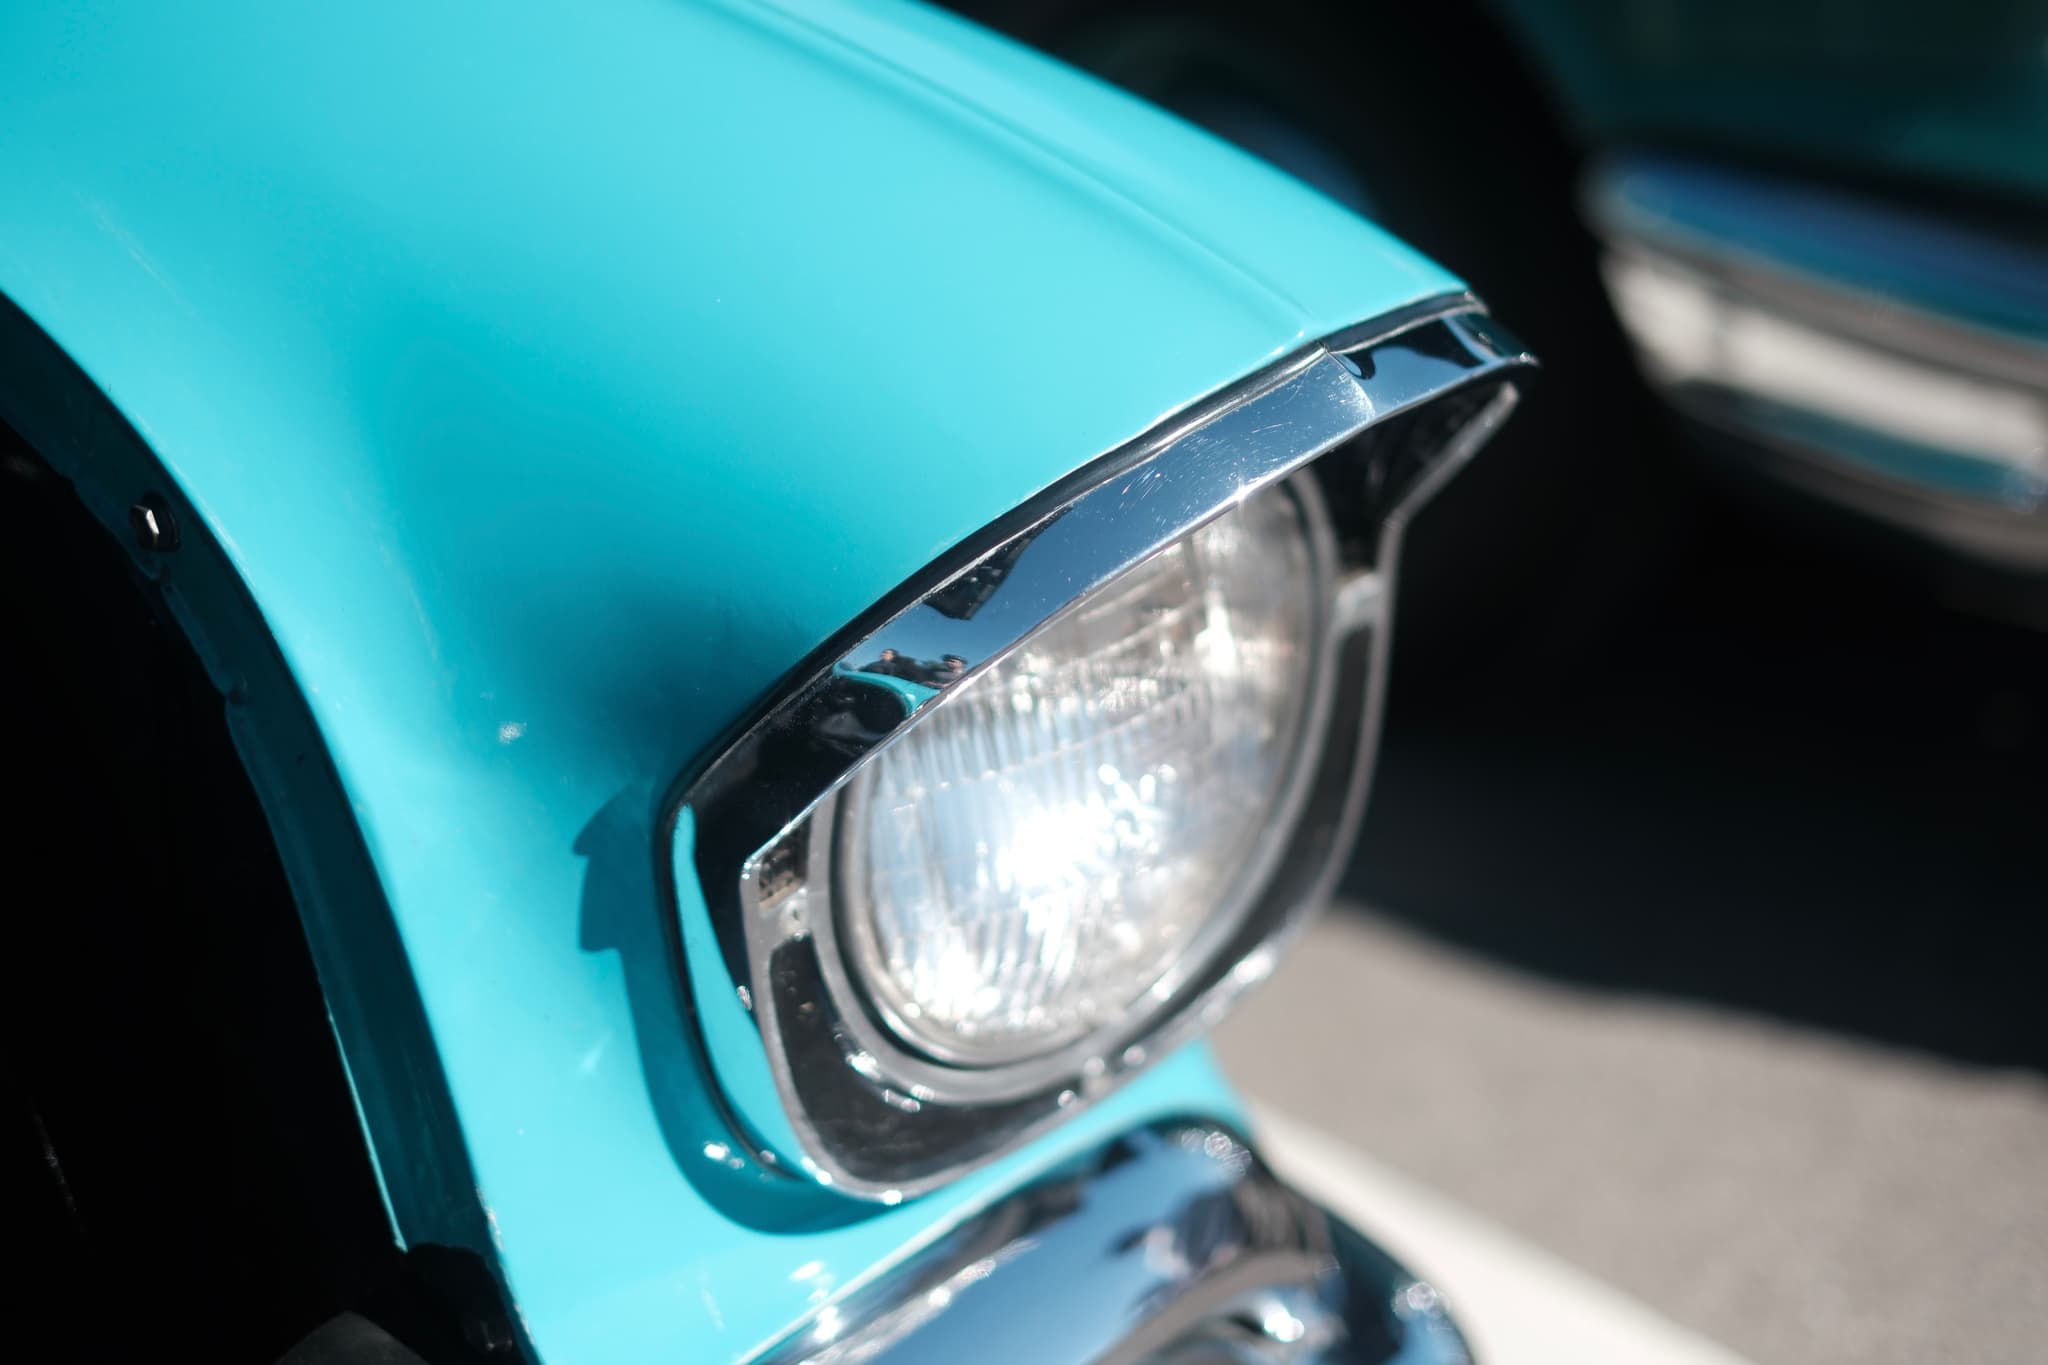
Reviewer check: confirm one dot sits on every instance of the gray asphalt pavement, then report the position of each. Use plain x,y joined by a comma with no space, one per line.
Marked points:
1802,1196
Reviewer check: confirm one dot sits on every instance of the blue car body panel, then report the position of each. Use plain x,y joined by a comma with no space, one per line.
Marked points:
555,377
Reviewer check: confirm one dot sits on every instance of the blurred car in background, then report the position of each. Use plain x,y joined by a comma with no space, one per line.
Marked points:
1811,235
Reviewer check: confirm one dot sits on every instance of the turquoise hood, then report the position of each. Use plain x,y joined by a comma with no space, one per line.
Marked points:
554,377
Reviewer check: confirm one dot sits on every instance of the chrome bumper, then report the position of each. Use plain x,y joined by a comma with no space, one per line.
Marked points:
1172,1245
1893,364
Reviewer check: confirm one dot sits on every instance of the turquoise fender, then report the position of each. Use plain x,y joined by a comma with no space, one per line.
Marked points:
552,378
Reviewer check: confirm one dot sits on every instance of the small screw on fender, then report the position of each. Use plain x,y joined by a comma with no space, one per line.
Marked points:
155,529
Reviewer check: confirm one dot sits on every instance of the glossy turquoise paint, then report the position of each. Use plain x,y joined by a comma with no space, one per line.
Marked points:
556,377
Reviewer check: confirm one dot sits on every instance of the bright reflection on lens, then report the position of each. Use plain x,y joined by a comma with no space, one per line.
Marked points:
1031,857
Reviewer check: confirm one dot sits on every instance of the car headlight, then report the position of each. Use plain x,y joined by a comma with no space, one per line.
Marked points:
1049,809
1032,861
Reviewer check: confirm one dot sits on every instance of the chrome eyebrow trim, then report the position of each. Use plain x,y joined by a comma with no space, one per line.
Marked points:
810,1082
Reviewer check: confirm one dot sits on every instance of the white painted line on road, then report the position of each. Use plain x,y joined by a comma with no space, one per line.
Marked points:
1518,1304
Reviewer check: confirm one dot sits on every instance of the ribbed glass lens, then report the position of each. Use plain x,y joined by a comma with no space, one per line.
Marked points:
1030,858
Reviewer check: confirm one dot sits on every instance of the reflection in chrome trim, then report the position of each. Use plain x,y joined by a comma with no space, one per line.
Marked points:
1172,1244
1926,419
813,1083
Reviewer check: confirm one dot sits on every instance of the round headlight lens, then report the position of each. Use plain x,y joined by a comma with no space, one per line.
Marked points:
1028,861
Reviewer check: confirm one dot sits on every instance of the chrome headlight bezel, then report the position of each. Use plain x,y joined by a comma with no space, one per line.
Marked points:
814,1076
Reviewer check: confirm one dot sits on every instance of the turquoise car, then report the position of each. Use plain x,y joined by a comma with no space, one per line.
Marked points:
665,657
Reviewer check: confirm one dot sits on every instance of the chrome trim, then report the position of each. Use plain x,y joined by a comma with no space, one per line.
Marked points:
1387,326
1889,398
853,1106
1361,601
1171,1243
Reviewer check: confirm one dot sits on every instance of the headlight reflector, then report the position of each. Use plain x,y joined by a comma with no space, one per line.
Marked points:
1029,862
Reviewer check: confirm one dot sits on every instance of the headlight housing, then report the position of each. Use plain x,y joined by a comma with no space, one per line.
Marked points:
1044,816
1040,858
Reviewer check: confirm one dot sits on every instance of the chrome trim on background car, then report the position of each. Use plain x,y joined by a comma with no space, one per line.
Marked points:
1893,366
1173,1243
865,1112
